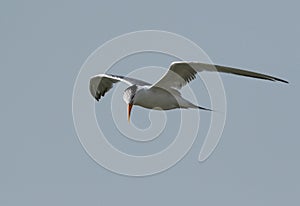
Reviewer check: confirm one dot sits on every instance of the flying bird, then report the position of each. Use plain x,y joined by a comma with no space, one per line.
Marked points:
164,94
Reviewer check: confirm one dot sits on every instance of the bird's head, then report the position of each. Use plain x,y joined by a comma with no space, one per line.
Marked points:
129,98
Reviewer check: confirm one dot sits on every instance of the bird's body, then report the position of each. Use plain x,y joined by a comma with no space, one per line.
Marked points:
164,94
155,98
160,99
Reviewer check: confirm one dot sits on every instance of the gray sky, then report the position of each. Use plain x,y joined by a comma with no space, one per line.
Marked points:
44,44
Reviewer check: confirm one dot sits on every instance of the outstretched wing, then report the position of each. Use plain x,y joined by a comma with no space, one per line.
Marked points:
102,83
181,73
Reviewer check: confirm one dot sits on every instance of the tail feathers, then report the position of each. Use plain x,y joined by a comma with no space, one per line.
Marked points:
203,108
185,104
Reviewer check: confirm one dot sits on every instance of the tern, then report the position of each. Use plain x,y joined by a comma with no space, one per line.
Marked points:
164,94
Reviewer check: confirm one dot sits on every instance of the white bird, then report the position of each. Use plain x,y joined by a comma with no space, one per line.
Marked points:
164,94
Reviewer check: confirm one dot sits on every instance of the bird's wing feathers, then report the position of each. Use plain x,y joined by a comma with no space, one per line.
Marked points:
181,73
102,83
178,75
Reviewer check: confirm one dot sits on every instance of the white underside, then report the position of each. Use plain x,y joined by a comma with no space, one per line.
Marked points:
160,99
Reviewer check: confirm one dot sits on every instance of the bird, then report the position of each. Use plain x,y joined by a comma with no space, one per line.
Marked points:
165,94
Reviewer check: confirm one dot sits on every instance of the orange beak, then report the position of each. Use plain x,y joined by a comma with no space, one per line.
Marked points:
129,111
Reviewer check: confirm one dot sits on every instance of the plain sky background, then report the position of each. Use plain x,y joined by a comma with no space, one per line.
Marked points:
44,44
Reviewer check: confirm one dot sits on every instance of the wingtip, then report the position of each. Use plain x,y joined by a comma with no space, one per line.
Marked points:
206,109
281,80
